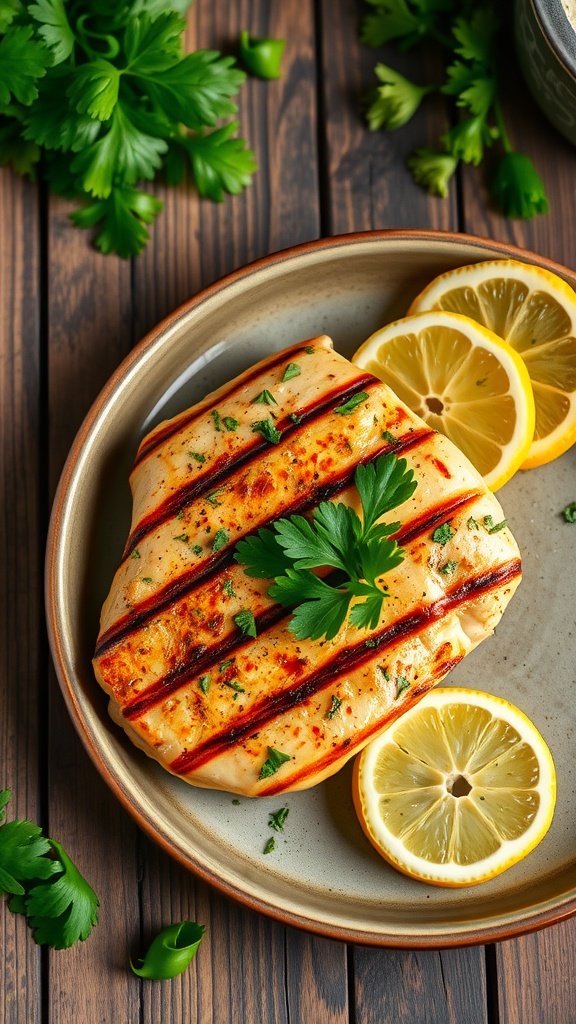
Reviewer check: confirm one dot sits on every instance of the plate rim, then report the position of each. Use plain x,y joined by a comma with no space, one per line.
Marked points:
523,923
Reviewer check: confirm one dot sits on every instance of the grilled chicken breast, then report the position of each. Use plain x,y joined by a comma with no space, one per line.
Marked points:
210,703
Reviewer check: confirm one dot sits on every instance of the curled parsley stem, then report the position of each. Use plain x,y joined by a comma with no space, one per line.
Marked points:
262,57
171,952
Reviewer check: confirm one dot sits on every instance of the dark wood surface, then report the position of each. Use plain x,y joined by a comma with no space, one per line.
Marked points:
68,315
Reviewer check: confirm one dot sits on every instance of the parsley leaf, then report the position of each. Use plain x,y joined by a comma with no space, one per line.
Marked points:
569,513
335,706
23,61
246,622
124,150
23,850
292,370
270,845
64,910
54,28
351,404
264,398
268,430
94,89
194,91
402,684
395,101
120,219
336,538
278,819
273,762
442,534
220,161
221,538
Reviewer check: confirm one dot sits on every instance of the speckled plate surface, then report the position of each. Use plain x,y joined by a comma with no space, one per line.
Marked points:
324,875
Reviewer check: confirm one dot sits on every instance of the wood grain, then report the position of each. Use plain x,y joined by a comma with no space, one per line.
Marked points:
537,977
22,643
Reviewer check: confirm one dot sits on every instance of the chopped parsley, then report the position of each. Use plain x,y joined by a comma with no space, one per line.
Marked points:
493,527
273,762
196,550
233,684
351,404
183,537
147,579
236,802
217,421
402,684
135,554
270,845
295,417
371,643
264,398
569,513
180,514
277,819
225,664
228,588
334,707
246,622
384,672
204,683
292,370
230,423
267,429
449,568
442,534
471,523
212,498
197,456
309,350
221,537
387,436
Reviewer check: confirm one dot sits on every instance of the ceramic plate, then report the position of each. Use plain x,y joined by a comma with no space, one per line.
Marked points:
324,875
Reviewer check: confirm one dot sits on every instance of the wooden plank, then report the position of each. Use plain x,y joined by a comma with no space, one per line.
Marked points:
21,645
368,185
536,976
89,322
448,987
316,973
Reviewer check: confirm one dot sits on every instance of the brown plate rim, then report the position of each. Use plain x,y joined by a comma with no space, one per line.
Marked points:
474,936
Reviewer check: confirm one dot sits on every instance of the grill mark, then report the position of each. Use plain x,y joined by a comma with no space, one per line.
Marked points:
349,658
205,658
360,739
229,463
163,434
203,572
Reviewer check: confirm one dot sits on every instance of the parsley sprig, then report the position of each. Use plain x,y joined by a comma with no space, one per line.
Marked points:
360,550
473,38
106,96
57,901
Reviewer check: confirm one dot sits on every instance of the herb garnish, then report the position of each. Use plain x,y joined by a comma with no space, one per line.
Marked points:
351,404
402,684
230,423
204,683
292,370
147,579
264,398
471,523
273,762
270,845
493,527
225,664
361,551
334,707
295,417
267,429
213,499
221,537
277,819
569,513
43,883
387,436
216,419
442,534
246,622
183,537
135,554
449,568
170,952
228,588
233,684
197,456
262,57
196,550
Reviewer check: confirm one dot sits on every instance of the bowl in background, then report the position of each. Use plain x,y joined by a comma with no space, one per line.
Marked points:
546,44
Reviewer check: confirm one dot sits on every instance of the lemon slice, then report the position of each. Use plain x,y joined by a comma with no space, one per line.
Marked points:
535,312
463,381
457,790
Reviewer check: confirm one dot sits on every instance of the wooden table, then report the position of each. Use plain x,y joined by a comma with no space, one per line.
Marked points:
68,316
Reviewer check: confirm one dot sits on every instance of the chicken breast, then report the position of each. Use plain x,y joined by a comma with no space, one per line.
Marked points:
215,706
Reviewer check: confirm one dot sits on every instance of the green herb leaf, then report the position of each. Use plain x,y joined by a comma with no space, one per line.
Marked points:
23,61
171,951
471,523
262,57
246,622
402,684
220,161
228,588
64,910
268,430
121,219
233,684
449,568
221,538
124,150
23,850
225,664
54,28
278,819
135,554
273,762
492,527
518,188
230,423
442,534
265,398
569,513
197,457
197,90
351,404
261,555
432,170
204,683
212,498
335,706
383,484
292,370
270,845
395,102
